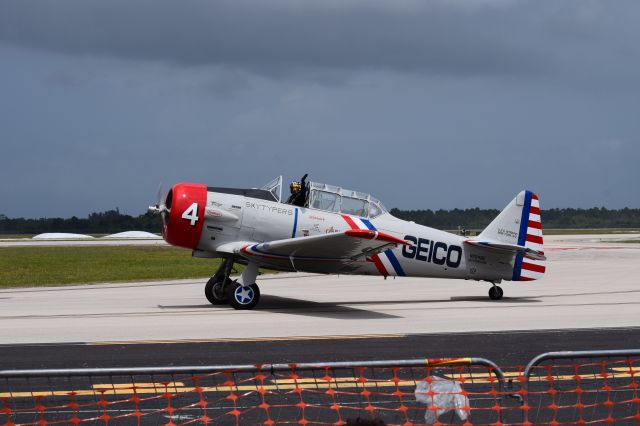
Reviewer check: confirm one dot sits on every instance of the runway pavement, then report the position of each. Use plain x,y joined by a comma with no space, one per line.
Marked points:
29,242
589,284
589,299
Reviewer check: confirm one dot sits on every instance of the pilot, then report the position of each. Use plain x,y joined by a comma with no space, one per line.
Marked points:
298,192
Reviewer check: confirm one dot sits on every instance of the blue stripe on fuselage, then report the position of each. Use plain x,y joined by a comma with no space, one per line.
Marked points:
295,222
392,257
368,224
394,261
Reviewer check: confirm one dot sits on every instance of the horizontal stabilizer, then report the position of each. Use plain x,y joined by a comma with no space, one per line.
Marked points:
522,250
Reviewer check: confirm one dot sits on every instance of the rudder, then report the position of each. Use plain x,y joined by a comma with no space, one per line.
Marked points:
530,236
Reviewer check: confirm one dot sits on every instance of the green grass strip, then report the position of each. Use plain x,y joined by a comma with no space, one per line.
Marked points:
42,266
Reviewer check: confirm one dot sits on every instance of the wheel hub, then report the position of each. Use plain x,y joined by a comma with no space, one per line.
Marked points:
244,295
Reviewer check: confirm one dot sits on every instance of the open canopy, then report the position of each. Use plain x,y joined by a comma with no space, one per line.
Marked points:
333,199
339,200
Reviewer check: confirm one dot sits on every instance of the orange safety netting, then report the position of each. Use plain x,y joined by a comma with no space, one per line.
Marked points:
431,392
568,392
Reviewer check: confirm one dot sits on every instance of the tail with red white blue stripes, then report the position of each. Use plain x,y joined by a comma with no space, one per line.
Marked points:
519,224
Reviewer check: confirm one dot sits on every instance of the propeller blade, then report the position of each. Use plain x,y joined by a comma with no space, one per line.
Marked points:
160,192
161,208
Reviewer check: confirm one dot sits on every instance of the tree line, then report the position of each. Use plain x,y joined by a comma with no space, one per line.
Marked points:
108,222
113,221
551,219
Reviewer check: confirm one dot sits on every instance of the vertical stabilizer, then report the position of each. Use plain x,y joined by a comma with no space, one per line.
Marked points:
520,224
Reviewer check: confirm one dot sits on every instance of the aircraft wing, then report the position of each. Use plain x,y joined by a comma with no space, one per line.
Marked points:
514,248
329,253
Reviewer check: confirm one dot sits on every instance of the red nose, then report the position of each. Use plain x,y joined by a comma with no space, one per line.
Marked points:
186,203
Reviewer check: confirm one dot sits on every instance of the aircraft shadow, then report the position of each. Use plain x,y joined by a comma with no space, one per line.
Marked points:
287,305
526,299
337,310
412,301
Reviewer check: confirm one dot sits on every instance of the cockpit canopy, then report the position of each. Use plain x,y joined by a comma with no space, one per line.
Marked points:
339,200
275,188
333,199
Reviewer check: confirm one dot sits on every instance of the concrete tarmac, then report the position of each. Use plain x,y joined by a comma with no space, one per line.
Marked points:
29,242
590,283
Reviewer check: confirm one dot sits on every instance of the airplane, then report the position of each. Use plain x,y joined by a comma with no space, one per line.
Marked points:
340,231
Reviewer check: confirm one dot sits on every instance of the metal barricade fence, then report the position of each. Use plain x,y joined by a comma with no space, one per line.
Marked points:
448,391
584,387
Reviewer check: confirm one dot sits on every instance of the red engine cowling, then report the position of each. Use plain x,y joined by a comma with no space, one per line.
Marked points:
186,203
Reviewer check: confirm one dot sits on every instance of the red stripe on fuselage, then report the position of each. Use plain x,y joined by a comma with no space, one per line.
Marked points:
381,269
350,222
374,235
368,234
534,210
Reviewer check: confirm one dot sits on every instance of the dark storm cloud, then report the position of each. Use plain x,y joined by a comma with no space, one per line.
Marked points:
444,103
276,37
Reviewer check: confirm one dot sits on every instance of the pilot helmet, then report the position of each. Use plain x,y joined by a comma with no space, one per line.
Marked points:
295,186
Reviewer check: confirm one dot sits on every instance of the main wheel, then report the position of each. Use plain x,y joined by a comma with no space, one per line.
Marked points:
215,292
243,297
495,293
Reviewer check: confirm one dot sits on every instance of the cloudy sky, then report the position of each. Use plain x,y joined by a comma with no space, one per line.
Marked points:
425,104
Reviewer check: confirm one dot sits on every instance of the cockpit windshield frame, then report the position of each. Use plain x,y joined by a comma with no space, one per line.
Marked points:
275,188
339,200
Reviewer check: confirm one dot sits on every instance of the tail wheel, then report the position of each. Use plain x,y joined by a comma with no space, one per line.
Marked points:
495,293
243,298
215,292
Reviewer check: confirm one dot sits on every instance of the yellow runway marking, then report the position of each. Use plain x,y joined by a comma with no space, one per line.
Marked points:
341,383
475,378
160,390
627,370
287,384
136,385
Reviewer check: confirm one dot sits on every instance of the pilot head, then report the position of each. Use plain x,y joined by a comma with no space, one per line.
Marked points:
294,187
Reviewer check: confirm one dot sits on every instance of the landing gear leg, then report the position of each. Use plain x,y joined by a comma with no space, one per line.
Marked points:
244,293
216,288
495,292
